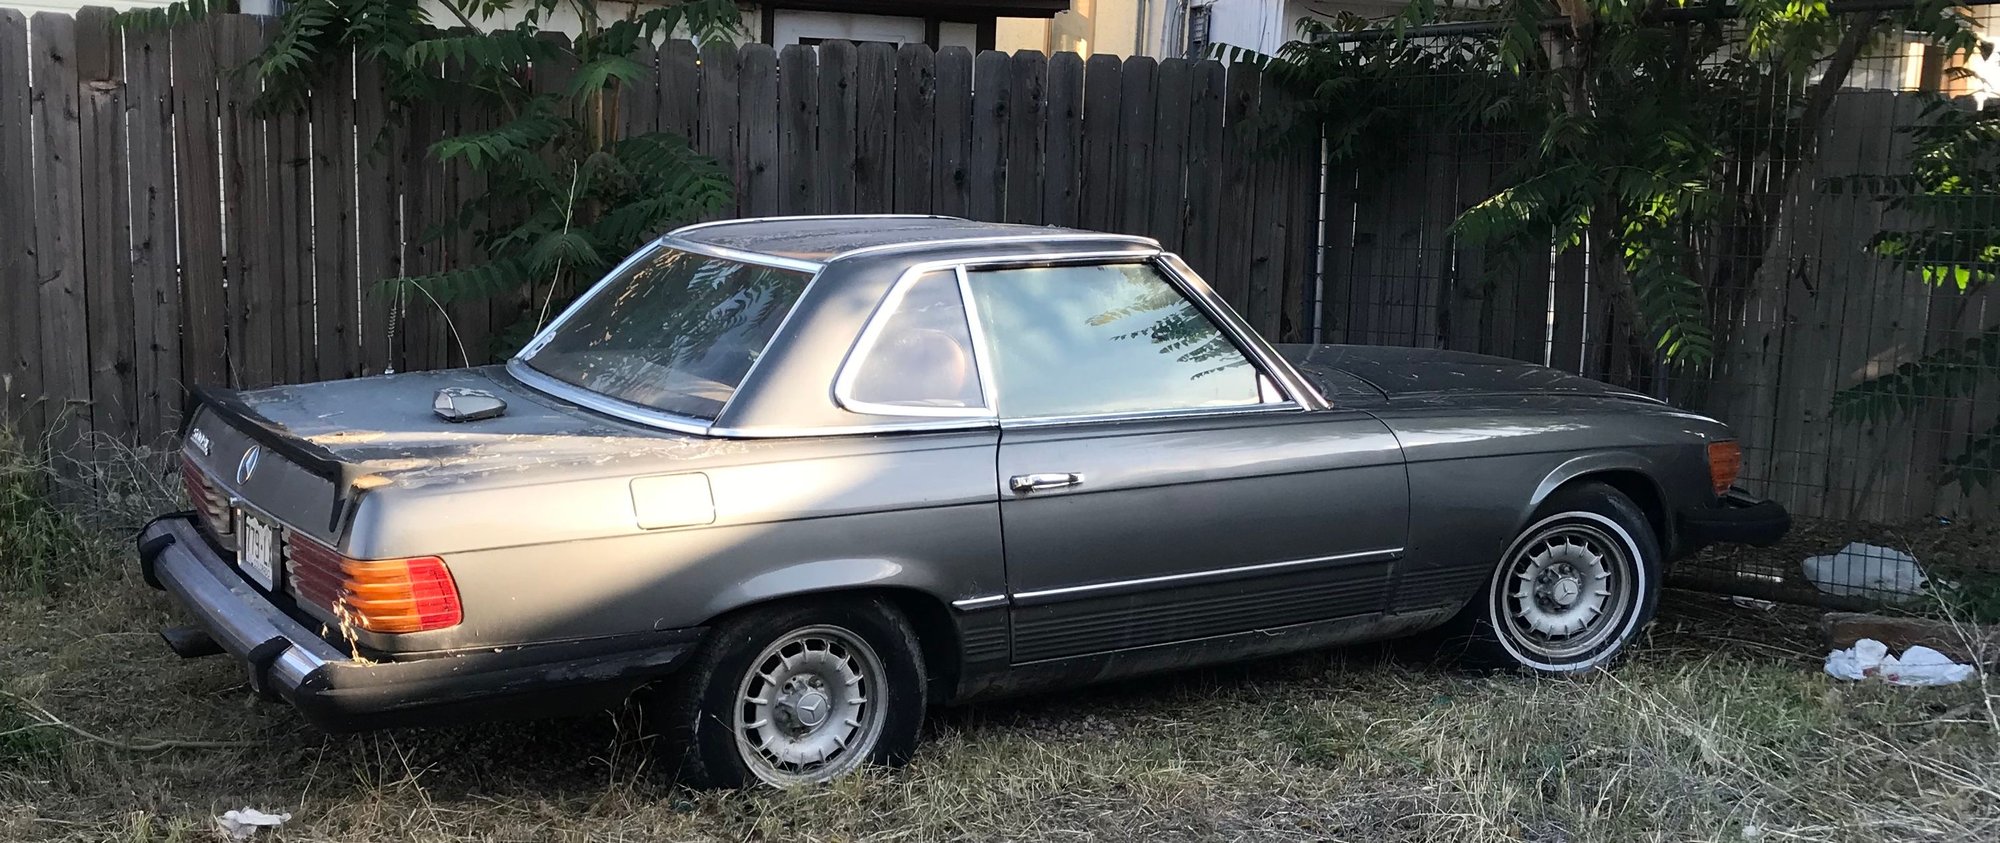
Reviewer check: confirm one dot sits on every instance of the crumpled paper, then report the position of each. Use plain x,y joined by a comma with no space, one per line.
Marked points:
1918,665
242,823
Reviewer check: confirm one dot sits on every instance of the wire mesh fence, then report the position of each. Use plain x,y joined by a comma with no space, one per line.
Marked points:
1864,382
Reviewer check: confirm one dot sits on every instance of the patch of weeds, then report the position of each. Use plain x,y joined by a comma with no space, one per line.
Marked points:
1325,744
23,740
40,544
1975,598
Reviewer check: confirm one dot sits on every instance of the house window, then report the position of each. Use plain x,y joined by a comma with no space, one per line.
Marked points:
1197,31
784,25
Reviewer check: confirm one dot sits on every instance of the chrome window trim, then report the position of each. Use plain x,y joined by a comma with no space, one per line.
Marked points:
741,255
843,381
911,426
871,333
548,331
1158,259
1294,385
1153,415
1356,557
1268,390
1266,360
793,217
606,404
982,360
1000,240
526,373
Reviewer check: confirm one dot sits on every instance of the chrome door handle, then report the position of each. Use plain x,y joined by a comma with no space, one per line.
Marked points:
1025,483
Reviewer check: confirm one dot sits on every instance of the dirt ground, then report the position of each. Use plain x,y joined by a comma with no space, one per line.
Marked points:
1721,727
1965,554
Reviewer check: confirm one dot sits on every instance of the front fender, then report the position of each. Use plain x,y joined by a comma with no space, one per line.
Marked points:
1588,464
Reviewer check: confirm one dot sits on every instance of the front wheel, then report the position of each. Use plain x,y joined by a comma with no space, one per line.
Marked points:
1574,588
798,694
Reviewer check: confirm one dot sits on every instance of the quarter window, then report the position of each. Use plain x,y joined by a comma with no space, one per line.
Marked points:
922,358
1108,338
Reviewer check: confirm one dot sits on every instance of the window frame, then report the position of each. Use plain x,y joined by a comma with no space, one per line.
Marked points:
871,335
611,405
1274,394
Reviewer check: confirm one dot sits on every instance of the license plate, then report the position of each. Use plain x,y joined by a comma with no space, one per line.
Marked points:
258,553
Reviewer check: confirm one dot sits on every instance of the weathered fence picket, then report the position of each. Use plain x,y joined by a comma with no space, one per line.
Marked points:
163,233
167,233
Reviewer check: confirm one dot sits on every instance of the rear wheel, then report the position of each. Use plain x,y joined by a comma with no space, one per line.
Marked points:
1574,588
798,694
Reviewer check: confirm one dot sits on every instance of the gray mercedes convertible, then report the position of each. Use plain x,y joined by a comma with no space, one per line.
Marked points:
798,479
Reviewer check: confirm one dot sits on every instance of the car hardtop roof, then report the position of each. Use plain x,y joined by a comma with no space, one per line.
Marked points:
821,239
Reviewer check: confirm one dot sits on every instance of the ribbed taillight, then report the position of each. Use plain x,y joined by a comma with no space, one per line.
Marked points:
399,595
312,573
378,595
208,501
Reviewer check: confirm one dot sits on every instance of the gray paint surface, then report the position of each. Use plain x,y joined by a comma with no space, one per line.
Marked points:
1376,500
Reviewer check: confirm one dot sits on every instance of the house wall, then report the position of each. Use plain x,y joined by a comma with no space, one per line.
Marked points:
1265,25
29,7
1091,27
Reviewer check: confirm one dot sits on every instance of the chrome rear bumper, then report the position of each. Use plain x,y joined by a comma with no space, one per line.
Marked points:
287,661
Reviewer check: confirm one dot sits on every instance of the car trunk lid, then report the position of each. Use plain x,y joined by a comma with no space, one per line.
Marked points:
319,444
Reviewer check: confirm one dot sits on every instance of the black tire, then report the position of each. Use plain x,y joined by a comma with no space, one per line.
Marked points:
1539,585
701,710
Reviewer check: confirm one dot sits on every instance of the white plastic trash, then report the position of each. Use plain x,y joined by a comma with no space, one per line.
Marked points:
1866,570
1918,665
240,824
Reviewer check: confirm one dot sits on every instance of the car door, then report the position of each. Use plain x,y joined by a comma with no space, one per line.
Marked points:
1155,486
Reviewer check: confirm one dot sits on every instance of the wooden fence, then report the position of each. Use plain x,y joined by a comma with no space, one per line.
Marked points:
156,233
1829,316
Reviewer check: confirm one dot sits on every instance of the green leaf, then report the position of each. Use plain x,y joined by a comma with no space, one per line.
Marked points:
601,72
1948,372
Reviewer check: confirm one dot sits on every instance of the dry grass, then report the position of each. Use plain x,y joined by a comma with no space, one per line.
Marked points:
1722,728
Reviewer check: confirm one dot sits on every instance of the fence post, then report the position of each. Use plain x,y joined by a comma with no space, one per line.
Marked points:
59,247
20,297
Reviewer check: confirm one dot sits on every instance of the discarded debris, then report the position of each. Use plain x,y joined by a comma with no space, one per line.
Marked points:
1918,665
1755,603
1965,643
242,823
1866,570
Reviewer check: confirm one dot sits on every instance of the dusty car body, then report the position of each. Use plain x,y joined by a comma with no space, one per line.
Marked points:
868,445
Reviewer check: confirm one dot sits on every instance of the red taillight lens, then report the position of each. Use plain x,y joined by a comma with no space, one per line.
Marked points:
209,504
399,595
1725,461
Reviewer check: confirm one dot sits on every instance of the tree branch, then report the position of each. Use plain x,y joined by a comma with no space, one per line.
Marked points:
460,13
45,720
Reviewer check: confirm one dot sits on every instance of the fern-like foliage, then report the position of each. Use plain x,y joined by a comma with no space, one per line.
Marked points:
564,195
1977,465
1946,235
1623,133
1948,372
1949,202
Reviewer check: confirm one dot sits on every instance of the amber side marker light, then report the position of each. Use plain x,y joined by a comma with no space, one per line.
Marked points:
400,595
1725,460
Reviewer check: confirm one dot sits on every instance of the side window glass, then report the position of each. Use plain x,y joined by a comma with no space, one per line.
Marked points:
1108,338
922,358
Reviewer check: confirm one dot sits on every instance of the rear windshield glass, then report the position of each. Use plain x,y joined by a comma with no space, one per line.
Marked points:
673,331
